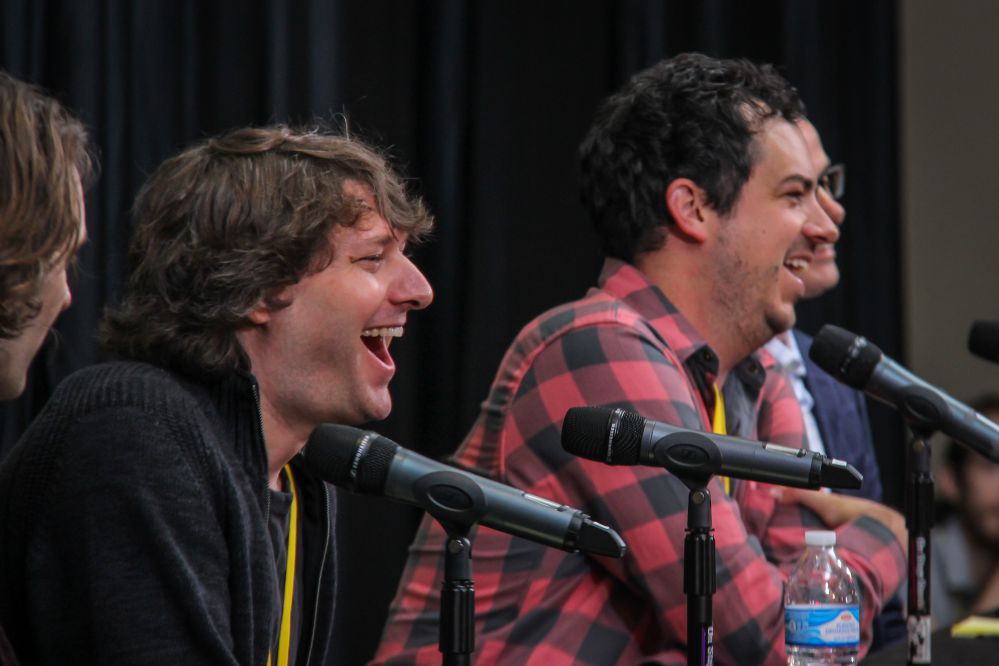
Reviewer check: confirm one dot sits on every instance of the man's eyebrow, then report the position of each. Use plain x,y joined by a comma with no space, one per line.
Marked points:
804,181
382,239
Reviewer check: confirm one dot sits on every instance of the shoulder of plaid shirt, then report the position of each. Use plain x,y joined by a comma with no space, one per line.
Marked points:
622,345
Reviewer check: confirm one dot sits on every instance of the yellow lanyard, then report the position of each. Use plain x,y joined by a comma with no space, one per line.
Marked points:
284,641
718,428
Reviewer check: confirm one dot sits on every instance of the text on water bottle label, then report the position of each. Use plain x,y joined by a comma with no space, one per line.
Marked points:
821,625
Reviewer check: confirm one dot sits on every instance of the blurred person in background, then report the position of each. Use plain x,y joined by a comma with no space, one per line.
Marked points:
965,559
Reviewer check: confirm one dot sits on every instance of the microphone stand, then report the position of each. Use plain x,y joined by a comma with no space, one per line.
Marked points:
699,573
921,409
465,505
918,521
456,637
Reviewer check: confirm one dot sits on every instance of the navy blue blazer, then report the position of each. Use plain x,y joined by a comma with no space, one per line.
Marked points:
841,414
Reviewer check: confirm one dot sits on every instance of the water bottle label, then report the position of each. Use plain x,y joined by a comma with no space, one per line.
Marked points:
821,626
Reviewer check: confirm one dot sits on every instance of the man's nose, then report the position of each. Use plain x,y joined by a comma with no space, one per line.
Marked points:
822,226
833,208
412,287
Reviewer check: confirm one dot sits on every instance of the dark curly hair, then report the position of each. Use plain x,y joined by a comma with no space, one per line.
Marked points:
691,116
233,221
44,158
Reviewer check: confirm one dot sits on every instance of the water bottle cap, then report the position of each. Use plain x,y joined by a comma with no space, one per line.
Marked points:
820,538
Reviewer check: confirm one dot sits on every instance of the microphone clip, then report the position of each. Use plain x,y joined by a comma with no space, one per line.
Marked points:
450,497
688,455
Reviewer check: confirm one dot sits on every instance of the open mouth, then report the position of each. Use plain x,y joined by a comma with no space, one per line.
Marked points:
825,251
796,265
377,340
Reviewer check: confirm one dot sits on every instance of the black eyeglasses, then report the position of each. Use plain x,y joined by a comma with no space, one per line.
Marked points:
833,180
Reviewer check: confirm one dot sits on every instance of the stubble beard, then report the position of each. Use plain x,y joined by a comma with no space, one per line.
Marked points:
740,295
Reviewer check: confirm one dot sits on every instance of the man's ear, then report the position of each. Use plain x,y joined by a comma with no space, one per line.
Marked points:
687,204
260,314
264,310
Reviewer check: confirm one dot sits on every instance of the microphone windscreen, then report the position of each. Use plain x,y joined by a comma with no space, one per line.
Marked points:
374,465
600,433
334,453
330,452
584,432
847,357
983,340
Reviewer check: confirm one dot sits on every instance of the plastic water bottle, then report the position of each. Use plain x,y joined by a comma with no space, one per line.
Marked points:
821,606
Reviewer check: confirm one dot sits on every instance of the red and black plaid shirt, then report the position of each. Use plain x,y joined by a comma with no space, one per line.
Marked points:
623,345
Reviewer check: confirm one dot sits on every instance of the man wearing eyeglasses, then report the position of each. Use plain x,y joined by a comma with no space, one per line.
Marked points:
835,415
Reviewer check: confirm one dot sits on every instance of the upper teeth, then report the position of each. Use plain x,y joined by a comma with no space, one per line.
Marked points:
796,264
389,332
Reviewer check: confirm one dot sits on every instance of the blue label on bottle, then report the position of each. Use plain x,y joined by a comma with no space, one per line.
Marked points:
821,625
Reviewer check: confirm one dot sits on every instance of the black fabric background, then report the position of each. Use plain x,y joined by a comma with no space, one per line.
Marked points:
482,104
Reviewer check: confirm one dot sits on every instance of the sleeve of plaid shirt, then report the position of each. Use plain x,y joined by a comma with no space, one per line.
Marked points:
619,365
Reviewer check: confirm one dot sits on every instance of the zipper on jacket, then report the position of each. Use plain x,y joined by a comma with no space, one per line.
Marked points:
326,517
322,567
260,432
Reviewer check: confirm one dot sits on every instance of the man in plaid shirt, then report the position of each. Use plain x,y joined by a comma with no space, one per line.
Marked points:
702,191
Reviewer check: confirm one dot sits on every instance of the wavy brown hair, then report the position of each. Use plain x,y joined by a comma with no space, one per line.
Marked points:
44,158
233,221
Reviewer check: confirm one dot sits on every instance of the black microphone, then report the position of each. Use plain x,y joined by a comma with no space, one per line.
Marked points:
983,340
856,362
366,462
619,437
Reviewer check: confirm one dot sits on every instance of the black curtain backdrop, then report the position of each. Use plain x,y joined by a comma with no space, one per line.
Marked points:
483,105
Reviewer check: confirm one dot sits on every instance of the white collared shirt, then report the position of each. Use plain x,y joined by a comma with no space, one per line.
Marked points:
791,363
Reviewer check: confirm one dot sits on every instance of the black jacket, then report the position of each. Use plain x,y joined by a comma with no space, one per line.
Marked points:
133,527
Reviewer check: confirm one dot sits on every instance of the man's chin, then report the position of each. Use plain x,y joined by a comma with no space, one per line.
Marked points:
12,385
378,409
780,321
363,410
820,280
